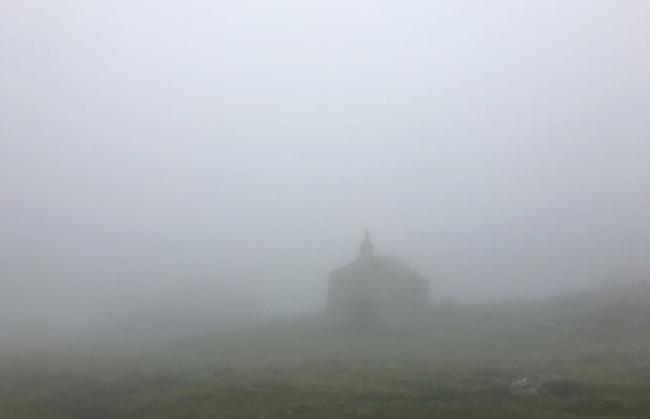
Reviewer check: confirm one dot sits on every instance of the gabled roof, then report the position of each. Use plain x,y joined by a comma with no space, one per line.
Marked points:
379,266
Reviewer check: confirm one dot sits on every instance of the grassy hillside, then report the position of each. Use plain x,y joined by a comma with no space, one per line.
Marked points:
460,362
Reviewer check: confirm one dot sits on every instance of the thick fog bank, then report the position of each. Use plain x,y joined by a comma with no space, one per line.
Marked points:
190,165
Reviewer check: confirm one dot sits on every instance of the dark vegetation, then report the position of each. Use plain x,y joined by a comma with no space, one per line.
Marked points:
460,362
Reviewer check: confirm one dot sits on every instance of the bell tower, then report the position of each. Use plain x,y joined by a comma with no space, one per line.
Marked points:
366,249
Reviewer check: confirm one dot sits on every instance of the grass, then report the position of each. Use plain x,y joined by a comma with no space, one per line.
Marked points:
459,364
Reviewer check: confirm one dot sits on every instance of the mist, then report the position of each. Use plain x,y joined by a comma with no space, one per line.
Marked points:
171,168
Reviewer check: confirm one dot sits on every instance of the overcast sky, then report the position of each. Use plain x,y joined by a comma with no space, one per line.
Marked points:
150,149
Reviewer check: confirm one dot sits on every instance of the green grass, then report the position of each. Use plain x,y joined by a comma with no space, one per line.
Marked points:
457,365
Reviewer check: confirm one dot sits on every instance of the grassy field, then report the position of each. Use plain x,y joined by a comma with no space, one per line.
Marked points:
458,364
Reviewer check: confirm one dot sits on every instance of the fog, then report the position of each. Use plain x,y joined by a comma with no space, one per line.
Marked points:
174,167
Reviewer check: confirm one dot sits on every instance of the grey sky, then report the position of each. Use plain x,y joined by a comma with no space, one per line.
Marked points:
241,147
